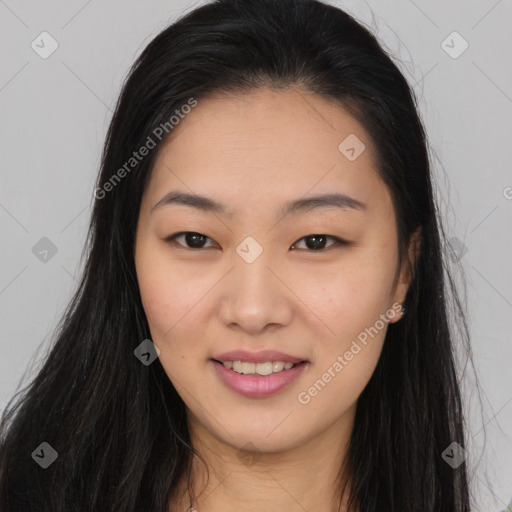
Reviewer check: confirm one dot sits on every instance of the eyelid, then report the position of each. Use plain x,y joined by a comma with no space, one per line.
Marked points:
172,238
339,242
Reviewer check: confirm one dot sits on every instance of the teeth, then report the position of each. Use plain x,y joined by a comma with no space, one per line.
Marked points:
248,368
265,368
277,366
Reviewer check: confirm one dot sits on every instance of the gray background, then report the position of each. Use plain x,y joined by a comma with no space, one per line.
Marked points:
55,113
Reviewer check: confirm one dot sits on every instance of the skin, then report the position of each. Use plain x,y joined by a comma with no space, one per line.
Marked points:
253,153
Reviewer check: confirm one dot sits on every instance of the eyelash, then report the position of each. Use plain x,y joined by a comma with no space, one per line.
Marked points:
338,241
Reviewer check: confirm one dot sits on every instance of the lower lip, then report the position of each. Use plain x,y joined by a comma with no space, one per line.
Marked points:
257,385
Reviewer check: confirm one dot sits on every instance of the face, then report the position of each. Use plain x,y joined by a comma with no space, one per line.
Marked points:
311,285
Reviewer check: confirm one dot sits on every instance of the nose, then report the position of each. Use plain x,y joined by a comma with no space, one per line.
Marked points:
254,297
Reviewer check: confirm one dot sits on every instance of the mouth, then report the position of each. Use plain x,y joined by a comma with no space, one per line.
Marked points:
261,369
258,379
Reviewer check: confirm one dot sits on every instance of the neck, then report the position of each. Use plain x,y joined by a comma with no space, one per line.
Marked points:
305,477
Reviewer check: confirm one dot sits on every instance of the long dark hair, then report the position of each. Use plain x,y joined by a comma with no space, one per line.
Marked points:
119,427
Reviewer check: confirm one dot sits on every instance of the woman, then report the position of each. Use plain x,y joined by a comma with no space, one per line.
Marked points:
262,322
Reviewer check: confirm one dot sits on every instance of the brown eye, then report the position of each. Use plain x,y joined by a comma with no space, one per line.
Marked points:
317,243
192,240
196,241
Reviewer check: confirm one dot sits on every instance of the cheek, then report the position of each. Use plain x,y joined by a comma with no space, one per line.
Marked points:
351,296
345,356
353,303
169,300
166,297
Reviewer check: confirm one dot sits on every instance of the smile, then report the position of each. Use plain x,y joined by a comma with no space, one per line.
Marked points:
260,379
265,368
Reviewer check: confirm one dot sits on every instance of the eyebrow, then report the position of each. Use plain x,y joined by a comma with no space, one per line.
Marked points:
206,204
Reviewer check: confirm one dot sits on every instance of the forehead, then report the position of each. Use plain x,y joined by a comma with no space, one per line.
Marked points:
253,150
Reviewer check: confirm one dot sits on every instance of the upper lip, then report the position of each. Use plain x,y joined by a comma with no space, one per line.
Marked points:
257,357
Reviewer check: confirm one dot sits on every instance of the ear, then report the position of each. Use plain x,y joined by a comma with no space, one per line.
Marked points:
406,276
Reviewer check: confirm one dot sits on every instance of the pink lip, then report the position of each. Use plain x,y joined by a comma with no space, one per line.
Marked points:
257,385
257,357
